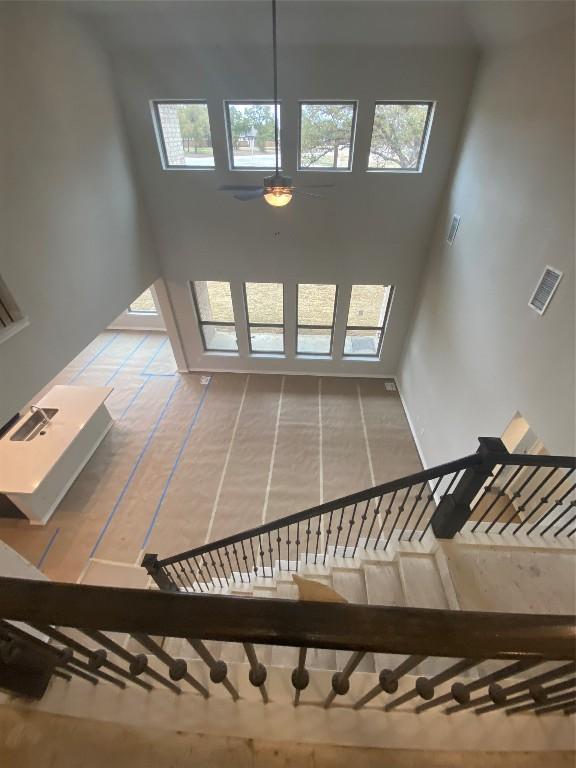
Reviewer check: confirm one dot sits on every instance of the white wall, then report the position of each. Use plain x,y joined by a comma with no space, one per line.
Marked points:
370,228
74,248
477,353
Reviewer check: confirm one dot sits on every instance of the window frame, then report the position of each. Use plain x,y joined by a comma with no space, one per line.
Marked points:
346,102
202,323
423,144
154,103
228,128
264,352
317,327
380,328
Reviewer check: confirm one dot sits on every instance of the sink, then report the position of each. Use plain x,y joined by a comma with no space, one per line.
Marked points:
32,427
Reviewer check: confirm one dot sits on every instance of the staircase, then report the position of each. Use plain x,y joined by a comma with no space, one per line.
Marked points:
225,634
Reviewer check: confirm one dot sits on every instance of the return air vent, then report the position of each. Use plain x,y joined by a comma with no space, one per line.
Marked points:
453,229
545,290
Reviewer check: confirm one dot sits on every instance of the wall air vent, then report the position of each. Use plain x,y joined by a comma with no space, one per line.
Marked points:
453,229
545,289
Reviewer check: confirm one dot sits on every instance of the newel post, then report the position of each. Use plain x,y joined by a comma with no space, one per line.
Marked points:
454,509
150,562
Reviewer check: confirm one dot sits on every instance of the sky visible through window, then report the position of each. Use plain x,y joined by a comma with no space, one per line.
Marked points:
251,135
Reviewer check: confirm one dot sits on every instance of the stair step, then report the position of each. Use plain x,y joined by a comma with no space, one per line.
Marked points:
423,586
384,587
351,585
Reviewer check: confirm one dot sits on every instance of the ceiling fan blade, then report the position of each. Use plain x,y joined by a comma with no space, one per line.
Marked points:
308,194
250,195
240,188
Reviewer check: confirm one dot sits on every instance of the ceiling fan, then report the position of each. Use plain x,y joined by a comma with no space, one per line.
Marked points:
277,189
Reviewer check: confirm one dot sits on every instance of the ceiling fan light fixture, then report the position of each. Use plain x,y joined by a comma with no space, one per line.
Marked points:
278,196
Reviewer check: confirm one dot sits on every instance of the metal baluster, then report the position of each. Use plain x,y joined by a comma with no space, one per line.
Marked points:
535,693
216,571
400,510
270,550
546,499
487,488
328,534
177,668
430,499
185,575
245,562
257,674
261,555
194,572
551,704
559,531
498,695
350,525
567,707
388,679
409,517
374,516
558,503
498,495
222,566
138,663
424,686
341,680
461,693
63,675
174,576
288,546
317,539
227,556
516,495
93,670
200,577
297,545
235,553
101,654
254,564
363,519
339,528
218,669
278,540
386,516
308,532
210,574
522,507
300,675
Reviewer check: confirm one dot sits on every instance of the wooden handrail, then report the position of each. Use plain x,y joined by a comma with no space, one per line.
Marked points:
409,631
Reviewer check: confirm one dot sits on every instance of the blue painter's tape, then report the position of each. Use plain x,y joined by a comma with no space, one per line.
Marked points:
134,468
92,359
47,548
128,356
155,355
175,465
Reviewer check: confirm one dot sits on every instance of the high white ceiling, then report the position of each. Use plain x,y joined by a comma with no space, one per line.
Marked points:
164,23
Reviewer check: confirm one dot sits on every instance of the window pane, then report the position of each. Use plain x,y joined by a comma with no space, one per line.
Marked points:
186,133
362,343
251,135
265,302
214,301
144,304
368,305
397,136
314,341
316,304
326,135
267,339
220,338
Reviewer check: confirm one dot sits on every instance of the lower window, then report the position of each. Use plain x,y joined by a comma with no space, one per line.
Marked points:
367,316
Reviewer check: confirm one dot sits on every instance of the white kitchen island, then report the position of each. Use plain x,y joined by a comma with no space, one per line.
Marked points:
36,473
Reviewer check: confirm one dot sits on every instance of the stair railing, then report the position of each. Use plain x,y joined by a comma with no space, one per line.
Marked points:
499,491
483,661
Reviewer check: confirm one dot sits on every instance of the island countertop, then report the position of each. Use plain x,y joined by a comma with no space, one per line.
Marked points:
24,465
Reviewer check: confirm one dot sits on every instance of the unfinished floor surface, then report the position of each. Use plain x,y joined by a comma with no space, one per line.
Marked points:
194,457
